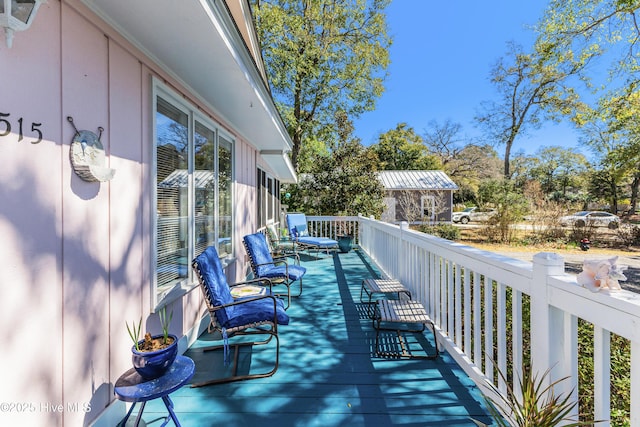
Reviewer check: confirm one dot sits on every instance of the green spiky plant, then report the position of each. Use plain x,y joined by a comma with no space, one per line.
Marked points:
134,333
539,406
165,322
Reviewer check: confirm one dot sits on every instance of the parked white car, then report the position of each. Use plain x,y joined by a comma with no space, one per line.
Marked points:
592,219
472,214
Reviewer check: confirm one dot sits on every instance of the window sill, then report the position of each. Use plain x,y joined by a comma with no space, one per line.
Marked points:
173,295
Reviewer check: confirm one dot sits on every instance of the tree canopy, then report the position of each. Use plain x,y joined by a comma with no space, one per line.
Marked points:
601,35
403,149
345,182
527,89
322,58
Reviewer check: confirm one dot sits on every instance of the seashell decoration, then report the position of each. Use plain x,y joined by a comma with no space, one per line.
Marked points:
87,156
601,274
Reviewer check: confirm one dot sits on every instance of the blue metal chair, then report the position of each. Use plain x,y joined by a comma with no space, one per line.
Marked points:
277,270
257,315
297,226
280,247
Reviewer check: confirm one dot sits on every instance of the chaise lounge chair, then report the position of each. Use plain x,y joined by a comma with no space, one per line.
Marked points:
297,226
277,270
257,315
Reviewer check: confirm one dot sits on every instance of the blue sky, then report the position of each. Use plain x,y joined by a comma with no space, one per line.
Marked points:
442,54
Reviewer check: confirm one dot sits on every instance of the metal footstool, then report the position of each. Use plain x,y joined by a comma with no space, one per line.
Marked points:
381,287
397,312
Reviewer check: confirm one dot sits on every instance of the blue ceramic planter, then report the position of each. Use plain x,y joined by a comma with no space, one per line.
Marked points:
153,364
344,243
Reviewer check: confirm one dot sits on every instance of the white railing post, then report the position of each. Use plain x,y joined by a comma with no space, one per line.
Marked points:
635,383
547,323
601,374
402,253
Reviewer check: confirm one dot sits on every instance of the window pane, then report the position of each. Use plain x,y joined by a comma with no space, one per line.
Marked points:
270,204
172,195
204,179
225,180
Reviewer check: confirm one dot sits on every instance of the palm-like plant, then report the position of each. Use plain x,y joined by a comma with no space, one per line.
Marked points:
538,406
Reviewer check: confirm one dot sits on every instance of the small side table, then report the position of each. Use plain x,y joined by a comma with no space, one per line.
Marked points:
383,287
131,387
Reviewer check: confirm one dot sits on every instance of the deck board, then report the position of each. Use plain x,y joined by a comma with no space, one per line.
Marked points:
329,374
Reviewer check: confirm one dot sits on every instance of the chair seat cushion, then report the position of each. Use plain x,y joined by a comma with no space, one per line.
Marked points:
254,312
295,272
321,242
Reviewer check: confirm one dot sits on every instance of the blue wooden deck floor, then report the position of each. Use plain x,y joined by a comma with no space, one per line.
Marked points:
329,374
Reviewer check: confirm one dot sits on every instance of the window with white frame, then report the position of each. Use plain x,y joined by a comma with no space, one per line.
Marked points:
428,208
193,196
268,189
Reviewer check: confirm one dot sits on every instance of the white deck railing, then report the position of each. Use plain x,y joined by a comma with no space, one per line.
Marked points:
477,299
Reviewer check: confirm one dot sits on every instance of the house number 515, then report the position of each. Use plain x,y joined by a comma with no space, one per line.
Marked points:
6,124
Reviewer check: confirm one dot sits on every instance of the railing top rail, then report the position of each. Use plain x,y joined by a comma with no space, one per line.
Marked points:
517,273
332,218
617,312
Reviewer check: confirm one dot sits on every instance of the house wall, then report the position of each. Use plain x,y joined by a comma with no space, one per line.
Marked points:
75,255
403,197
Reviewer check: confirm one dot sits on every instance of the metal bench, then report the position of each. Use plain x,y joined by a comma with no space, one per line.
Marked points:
394,313
383,287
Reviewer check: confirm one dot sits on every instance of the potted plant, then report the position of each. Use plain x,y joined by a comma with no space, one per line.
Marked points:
345,236
154,354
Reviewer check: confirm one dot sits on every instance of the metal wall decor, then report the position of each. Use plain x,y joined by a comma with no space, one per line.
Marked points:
87,155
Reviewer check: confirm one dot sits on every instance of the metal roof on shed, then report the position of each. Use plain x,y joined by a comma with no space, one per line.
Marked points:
416,180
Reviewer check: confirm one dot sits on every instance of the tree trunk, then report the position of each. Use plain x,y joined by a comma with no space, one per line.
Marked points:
635,184
507,155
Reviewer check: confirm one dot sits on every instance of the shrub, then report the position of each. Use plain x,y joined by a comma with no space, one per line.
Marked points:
446,231
629,235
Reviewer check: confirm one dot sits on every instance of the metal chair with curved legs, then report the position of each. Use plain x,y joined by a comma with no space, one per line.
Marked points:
277,270
257,315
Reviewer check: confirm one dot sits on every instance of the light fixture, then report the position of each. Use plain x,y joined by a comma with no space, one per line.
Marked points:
17,15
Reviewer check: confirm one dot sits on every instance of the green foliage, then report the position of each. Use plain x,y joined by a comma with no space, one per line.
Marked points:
322,58
343,183
402,149
560,171
620,367
538,406
510,207
604,35
527,91
134,332
620,374
165,322
446,231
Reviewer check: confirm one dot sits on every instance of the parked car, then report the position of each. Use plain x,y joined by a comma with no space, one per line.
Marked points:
472,214
592,219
